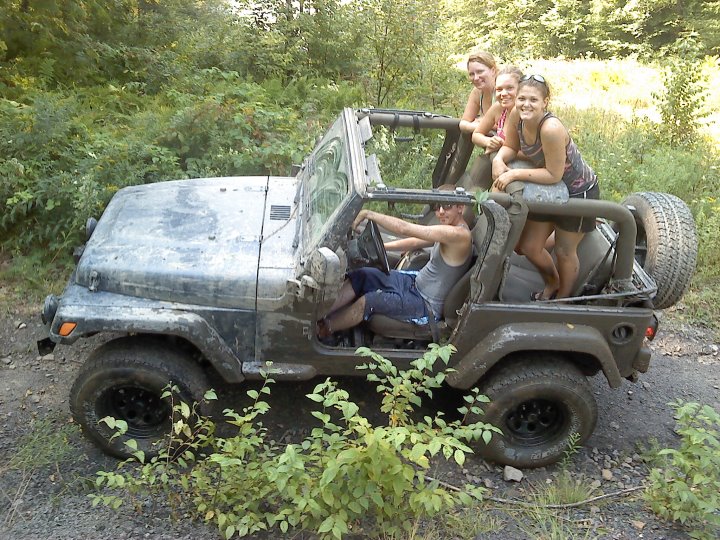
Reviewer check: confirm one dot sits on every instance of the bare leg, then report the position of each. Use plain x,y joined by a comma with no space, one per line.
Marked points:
566,244
532,245
345,317
550,242
345,297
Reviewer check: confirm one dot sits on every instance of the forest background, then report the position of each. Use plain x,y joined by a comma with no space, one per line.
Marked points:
96,95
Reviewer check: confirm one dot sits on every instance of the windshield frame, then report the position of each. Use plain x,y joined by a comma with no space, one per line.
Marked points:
351,163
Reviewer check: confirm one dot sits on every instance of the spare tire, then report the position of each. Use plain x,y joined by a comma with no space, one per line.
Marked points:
666,245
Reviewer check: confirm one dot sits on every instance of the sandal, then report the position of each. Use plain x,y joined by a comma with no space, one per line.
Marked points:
538,296
323,329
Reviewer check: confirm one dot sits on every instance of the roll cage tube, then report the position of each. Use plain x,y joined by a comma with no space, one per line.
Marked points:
457,147
410,119
398,195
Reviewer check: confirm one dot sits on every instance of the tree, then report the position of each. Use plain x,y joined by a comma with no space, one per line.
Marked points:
400,35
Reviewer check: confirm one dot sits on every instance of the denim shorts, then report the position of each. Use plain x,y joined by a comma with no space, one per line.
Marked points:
393,295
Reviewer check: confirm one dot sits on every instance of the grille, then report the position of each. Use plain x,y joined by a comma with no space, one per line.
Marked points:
279,213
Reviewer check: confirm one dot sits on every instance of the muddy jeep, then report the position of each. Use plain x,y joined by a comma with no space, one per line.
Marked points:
217,276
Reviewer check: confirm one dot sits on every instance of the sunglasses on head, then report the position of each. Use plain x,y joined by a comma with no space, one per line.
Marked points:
532,77
444,206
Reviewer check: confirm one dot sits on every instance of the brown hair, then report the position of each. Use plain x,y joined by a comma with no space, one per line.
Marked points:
530,80
482,57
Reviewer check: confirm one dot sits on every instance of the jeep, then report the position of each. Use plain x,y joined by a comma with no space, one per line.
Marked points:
218,276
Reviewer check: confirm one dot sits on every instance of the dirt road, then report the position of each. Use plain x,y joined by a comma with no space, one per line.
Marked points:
52,502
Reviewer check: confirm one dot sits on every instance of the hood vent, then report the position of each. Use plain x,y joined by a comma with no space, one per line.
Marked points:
279,212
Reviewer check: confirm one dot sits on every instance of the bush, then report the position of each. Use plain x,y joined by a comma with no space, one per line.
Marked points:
63,156
686,487
346,475
683,98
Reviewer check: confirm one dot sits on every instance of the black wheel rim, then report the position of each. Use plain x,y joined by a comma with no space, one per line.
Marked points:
145,413
535,422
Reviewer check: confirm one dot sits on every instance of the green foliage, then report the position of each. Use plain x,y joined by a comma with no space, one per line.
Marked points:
165,475
549,28
47,443
406,164
682,101
686,487
572,449
347,475
22,281
404,52
565,488
551,523
63,157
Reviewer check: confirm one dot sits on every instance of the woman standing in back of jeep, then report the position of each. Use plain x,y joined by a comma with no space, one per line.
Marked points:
481,68
546,143
506,87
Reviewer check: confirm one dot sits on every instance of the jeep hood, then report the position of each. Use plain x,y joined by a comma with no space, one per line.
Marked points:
190,241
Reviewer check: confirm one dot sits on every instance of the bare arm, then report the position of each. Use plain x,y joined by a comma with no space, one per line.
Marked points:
468,121
407,244
553,137
454,241
481,135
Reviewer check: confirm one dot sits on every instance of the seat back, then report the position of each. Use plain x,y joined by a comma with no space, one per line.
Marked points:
595,268
596,263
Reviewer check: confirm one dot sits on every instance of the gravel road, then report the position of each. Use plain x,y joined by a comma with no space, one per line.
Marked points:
52,502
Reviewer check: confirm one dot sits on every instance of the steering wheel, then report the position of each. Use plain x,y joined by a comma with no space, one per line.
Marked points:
372,247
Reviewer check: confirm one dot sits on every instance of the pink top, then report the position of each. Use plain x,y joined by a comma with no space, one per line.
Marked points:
501,124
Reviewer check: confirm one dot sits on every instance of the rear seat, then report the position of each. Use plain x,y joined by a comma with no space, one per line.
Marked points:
595,268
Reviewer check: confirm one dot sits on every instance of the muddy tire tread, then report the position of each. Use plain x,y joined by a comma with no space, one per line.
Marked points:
671,243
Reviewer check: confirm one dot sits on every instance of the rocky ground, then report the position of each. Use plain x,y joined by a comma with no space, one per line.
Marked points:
51,501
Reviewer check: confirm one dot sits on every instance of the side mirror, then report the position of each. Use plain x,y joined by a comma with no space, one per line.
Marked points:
323,273
325,267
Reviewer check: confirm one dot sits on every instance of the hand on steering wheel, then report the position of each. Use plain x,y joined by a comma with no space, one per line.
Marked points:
378,256
370,244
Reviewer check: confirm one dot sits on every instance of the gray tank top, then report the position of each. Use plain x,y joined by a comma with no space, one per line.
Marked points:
437,277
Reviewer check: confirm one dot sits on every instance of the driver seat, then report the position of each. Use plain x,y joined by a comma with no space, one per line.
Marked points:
454,302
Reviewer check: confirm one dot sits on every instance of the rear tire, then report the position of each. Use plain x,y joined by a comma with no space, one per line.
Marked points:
125,379
666,245
538,403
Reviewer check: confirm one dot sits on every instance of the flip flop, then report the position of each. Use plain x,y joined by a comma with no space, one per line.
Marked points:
538,297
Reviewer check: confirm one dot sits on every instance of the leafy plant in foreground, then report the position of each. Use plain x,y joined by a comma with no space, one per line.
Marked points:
347,475
686,488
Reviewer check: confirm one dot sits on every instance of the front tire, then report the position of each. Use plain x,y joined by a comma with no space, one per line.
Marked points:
538,404
125,379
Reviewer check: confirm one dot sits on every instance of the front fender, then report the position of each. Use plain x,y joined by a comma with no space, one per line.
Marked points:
519,337
130,316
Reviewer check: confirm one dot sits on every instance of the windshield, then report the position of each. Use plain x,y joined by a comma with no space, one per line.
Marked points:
327,180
